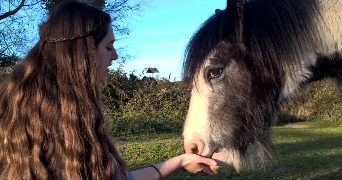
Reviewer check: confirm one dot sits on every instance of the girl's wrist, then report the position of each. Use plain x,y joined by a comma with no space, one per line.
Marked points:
159,173
182,161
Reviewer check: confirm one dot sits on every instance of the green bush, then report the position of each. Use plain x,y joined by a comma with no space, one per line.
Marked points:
127,126
134,106
320,100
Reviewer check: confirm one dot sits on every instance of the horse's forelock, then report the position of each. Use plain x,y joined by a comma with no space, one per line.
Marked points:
202,43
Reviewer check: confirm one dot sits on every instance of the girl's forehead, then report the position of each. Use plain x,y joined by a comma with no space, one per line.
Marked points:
109,38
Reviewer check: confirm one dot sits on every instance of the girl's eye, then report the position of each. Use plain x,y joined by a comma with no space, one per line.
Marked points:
215,73
109,49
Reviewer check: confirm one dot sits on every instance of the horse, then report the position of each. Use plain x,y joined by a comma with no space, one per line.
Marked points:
243,62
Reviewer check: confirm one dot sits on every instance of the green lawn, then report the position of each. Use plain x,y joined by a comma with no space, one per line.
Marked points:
309,150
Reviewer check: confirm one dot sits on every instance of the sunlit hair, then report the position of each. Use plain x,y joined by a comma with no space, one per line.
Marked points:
51,121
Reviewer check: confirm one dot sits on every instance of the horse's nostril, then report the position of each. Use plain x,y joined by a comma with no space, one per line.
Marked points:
194,149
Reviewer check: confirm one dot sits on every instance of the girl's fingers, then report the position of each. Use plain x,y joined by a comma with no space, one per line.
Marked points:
207,161
207,169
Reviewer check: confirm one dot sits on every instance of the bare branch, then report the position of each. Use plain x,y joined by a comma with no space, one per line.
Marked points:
10,13
33,4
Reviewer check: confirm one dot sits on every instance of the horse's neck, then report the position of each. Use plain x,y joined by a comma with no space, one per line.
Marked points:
328,41
329,27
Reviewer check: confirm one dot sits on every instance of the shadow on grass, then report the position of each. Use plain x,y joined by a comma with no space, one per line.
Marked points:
330,176
288,118
318,155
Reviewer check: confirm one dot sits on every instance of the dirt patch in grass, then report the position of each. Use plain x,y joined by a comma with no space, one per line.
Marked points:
297,126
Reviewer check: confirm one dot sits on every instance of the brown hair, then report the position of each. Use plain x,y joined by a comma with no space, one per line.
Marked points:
51,121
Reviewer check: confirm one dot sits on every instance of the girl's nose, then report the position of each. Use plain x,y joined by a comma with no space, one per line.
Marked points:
114,55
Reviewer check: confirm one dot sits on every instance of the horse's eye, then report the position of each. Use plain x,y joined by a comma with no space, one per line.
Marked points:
214,73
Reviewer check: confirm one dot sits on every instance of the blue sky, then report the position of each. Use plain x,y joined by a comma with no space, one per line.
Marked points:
160,35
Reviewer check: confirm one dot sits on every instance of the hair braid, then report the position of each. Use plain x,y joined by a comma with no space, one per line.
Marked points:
72,38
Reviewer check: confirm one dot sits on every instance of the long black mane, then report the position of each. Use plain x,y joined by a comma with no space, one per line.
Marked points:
276,33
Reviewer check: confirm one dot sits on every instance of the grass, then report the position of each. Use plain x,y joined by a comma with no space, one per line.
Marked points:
306,150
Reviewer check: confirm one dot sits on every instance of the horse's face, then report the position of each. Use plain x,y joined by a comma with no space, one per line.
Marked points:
228,117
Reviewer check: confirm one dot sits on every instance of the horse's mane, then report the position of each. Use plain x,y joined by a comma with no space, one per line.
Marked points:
280,32
275,32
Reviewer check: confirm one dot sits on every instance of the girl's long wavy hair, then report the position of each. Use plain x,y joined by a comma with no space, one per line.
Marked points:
51,121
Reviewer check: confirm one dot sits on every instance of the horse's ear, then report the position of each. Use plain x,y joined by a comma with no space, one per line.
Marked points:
235,10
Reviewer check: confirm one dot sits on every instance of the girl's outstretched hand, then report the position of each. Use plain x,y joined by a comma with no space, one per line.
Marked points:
190,162
195,164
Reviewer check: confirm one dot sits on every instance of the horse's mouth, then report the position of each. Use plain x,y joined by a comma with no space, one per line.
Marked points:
217,150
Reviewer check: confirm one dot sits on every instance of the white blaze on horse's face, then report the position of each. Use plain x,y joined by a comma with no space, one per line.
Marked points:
197,125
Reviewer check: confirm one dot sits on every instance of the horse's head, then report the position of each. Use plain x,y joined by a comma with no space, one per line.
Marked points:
234,93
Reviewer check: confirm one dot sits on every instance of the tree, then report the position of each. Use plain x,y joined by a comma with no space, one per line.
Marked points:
12,12
6,64
17,19
50,4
